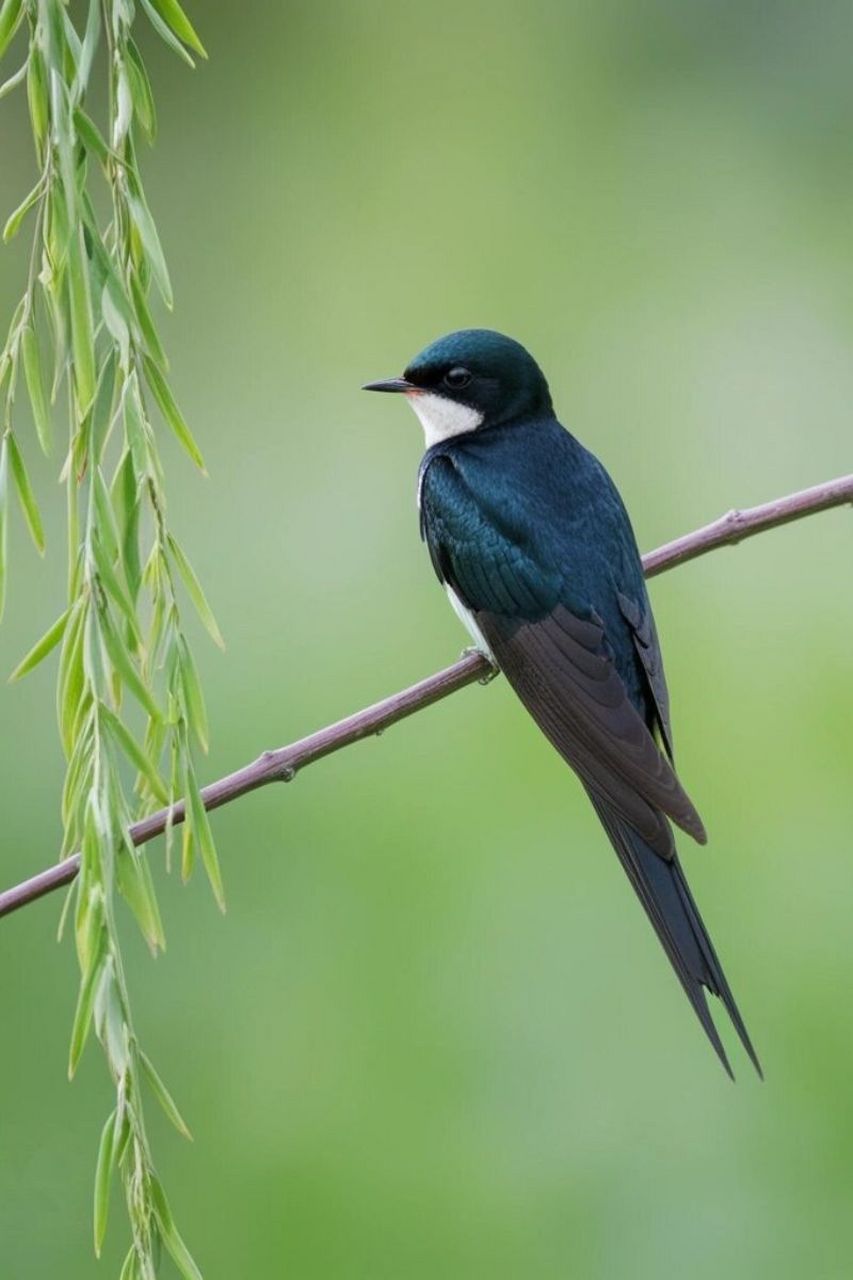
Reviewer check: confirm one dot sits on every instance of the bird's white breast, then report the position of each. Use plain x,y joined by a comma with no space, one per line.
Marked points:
469,622
441,418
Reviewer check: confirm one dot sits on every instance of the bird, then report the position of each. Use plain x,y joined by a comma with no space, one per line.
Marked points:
531,540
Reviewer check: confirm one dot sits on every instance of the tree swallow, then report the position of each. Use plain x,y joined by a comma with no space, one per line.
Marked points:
530,538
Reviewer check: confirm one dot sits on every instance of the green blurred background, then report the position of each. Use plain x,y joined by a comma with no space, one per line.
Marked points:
434,1034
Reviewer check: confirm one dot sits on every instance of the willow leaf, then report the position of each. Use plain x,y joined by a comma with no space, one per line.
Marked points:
86,1004
26,497
165,33
172,13
140,88
123,664
13,222
146,323
103,1174
204,838
10,19
147,229
163,1096
196,594
4,519
14,80
90,135
181,1255
137,888
35,387
196,710
116,324
109,580
41,648
91,38
37,98
171,413
82,339
135,753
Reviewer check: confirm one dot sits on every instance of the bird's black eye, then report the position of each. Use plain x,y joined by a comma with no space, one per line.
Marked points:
457,378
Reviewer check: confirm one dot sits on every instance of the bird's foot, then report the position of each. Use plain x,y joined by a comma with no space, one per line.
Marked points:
473,652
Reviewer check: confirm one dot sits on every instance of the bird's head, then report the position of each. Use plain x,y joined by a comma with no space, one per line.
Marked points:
469,380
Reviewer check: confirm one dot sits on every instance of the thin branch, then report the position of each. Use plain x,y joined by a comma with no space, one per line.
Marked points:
282,765
736,526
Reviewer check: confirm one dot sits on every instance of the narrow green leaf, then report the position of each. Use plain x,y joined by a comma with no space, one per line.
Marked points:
196,594
165,33
172,13
10,19
26,497
69,685
82,340
103,1174
130,1267
110,1022
12,83
125,493
88,48
123,664
89,914
145,225
35,387
73,43
106,526
137,888
90,135
146,323
181,1255
58,233
135,754
4,519
196,709
59,50
86,1004
13,222
134,428
171,413
188,843
163,1096
116,324
123,114
101,414
140,88
37,98
204,837
41,648
115,590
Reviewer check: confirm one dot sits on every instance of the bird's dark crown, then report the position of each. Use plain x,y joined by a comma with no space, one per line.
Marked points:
484,369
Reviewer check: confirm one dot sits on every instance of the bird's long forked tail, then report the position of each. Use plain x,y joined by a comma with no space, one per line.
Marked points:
663,890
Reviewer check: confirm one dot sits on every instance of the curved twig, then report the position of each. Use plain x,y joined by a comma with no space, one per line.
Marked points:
282,765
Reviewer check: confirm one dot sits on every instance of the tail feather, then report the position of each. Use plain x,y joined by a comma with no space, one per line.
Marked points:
661,886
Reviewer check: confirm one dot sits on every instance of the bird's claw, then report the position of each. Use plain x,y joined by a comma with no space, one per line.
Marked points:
473,652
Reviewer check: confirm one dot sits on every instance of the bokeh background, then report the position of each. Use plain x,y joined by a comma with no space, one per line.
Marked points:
434,1035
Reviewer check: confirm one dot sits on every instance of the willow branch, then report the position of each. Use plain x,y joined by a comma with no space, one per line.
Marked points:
282,764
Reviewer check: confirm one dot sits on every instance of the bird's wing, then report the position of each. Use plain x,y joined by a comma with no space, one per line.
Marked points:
647,647
560,663
560,667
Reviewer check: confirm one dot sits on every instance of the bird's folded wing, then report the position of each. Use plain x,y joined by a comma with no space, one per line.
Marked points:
559,667
552,645
647,648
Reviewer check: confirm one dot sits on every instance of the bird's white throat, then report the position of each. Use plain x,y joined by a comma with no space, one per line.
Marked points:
441,418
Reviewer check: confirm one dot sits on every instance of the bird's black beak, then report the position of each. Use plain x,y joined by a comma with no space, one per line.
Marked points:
390,384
